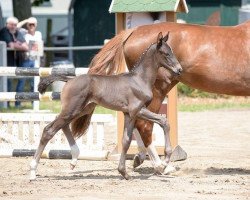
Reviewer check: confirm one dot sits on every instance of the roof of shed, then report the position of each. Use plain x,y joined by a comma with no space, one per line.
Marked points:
122,6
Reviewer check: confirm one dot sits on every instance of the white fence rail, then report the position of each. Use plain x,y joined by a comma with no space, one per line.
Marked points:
22,132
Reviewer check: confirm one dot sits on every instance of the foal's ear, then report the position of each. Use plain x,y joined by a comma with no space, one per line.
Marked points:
165,39
159,40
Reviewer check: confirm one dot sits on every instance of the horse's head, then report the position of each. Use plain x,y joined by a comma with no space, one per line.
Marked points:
165,56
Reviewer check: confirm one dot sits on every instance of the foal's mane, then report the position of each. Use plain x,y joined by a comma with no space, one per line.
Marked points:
138,62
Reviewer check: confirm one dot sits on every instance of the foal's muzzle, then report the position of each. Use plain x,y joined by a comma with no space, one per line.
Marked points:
178,69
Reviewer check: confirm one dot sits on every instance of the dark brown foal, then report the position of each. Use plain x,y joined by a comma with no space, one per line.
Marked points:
128,92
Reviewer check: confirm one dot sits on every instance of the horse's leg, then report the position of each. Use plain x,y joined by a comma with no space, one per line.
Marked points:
162,121
73,146
145,128
141,156
126,140
70,110
49,131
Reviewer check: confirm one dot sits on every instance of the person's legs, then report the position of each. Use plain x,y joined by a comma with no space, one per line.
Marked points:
9,88
21,81
31,64
19,88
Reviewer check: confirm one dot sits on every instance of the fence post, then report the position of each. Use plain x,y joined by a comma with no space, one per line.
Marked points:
3,62
36,104
38,53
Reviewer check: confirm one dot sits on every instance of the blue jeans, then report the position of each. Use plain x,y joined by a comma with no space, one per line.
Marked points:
21,82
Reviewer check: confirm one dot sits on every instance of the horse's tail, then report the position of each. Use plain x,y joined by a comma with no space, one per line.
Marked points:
109,58
45,82
79,126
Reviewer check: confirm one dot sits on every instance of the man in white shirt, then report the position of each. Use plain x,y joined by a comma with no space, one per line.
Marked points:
15,40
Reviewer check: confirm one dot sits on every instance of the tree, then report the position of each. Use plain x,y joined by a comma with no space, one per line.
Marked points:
22,9
1,18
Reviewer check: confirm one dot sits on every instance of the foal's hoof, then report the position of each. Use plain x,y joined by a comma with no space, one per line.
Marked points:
72,166
137,161
32,176
124,174
73,163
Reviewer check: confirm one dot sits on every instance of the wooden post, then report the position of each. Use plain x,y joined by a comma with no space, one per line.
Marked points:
171,16
172,116
3,62
172,100
171,112
120,26
119,22
119,7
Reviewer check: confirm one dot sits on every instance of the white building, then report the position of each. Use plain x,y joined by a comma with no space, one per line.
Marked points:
57,10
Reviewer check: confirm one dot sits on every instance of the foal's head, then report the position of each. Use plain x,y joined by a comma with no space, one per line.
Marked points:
165,56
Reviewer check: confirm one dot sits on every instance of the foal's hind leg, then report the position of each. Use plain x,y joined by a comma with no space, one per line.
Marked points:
73,146
126,140
49,131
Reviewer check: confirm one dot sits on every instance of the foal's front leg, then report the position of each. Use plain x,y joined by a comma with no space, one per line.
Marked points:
141,156
162,121
126,140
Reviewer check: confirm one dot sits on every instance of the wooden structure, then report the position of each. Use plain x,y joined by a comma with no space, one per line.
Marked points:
20,134
131,13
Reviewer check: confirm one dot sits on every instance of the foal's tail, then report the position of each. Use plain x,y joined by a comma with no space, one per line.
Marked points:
45,82
80,125
109,58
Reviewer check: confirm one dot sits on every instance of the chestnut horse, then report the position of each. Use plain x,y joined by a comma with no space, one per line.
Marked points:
214,59
128,92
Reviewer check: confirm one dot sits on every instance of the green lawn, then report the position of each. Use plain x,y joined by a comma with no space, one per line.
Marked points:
52,106
214,106
185,104
202,104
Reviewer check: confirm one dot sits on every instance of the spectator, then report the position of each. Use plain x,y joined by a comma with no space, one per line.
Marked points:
32,37
15,41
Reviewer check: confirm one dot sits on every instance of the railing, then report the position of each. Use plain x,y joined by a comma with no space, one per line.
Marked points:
35,72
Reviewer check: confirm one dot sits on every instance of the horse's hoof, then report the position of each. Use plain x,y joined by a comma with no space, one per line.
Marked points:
126,176
72,166
32,176
137,161
73,163
169,169
160,169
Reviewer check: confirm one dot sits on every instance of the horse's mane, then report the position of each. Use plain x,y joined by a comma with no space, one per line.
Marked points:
138,62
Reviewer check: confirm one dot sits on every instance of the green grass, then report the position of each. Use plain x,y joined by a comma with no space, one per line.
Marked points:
206,107
52,106
186,105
